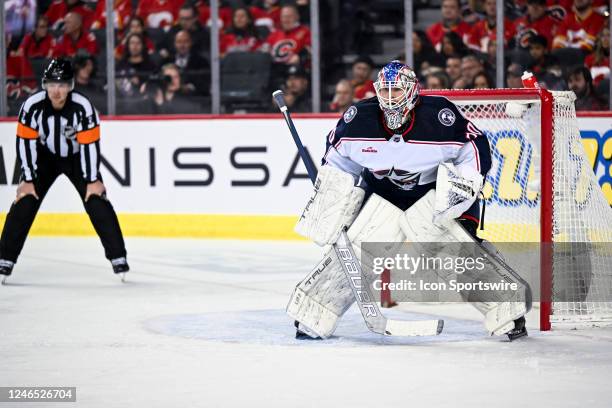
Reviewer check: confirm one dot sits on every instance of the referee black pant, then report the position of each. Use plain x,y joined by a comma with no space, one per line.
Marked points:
21,215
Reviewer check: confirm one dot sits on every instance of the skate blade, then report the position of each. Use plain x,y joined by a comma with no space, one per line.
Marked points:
303,336
4,280
514,336
122,277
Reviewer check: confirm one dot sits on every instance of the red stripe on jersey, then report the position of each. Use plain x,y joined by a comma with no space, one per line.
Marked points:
469,217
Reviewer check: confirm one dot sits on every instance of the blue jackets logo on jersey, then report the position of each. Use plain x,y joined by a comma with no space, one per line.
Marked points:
404,179
446,117
350,114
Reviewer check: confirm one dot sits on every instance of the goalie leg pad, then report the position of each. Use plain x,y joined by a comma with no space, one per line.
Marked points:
417,223
325,295
499,315
322,298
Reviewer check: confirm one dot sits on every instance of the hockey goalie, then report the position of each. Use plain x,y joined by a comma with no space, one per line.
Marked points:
398,167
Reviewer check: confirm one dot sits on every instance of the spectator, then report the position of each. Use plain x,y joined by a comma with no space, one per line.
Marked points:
20,82
158,13
75,38
559,9
537,21
484,30
598,61
192,67
513,76
542,60
453,68
472,11
241,36
188,21
135,26
291,44
59,9
452,45
343,96
167,96
363,86
424,52
451,21
20,79
85,81
515,9
296,90
470,66
437,80
490,57
225,13
580,81
553,79
40,43
579,29
135,66
122,10
460,83
482,81
266,13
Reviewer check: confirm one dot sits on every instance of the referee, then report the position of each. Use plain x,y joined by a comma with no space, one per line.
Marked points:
58,132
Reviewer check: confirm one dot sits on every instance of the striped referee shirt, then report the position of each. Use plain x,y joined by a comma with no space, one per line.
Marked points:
75,129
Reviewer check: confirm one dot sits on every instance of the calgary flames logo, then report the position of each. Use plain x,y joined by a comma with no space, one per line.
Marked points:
283,49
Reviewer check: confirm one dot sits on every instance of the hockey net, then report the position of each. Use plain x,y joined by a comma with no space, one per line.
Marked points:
542,188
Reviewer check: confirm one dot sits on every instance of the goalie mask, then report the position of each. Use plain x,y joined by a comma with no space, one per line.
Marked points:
397,90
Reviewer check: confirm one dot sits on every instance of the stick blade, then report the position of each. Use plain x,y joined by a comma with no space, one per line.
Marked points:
413,328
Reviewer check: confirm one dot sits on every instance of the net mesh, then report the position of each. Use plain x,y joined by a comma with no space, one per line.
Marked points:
582,274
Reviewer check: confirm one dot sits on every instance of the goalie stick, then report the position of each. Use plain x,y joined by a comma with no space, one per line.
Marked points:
351,267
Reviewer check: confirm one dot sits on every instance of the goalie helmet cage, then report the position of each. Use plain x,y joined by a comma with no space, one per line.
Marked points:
542,188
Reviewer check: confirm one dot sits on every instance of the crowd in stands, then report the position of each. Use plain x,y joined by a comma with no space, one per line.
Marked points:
564,43
162,51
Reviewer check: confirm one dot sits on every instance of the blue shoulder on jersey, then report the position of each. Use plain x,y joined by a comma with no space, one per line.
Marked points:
360,120
438,120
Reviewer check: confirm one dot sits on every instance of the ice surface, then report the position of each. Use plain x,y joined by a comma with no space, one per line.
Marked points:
201,324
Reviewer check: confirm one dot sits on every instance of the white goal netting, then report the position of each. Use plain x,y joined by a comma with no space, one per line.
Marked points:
581,215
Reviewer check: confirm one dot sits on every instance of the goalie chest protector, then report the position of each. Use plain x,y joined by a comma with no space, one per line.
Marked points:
408,160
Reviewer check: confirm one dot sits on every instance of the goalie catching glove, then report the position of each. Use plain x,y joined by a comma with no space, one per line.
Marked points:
333,206
456,190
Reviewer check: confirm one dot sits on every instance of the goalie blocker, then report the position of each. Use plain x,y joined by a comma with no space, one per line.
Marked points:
320,300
